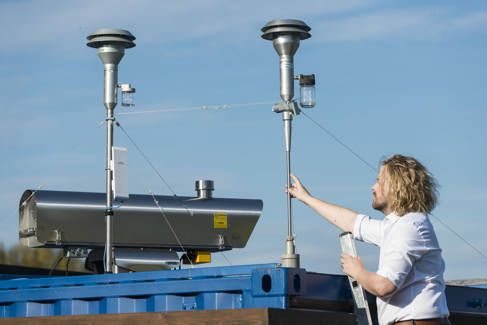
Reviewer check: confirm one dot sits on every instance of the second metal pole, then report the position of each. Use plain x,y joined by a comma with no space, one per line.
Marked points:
287,117
290,258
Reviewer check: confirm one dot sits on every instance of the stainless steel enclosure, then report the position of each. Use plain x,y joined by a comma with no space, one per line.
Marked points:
77,219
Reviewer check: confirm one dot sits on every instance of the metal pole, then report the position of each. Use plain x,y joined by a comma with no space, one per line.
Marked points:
109,210
111,45
111,77
287,117
285,35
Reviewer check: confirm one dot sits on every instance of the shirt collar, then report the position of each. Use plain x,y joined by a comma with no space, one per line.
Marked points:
392,216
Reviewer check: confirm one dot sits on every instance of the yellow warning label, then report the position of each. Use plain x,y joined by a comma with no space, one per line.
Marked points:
203,257
220,220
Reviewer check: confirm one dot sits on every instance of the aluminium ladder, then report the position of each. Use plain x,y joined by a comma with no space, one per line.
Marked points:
359,298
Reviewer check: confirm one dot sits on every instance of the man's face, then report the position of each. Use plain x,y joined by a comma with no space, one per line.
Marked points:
380,192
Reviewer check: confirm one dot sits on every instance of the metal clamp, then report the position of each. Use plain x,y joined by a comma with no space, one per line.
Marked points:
290,106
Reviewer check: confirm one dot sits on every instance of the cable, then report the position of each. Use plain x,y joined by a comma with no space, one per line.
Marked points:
67,267
55,265
169,224
145,157
459,236
154,168
194,108
225,256
341,142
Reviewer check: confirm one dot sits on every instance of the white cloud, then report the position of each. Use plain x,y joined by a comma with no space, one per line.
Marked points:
372,26
408,23
469,21
59,25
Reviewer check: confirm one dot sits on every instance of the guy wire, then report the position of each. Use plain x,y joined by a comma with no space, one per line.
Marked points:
145,157
375,170
458,235
170,227
168,186
340,142
154,168
225,257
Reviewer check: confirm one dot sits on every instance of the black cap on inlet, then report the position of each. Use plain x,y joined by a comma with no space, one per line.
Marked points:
105,36
280,27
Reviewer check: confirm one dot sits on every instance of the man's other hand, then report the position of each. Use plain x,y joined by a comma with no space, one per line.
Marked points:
297,190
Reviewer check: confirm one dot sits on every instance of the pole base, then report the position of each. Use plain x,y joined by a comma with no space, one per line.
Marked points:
290,260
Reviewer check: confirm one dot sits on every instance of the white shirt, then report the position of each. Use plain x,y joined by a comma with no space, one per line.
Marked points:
410,258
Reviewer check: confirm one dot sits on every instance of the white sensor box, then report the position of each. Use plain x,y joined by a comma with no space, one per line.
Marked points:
120,183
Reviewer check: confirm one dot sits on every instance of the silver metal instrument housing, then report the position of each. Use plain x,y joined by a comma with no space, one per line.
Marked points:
77,219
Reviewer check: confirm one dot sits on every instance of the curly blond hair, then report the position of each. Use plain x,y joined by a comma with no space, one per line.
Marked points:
411,187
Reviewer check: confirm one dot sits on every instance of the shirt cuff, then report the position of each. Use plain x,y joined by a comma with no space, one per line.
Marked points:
392,276
356,227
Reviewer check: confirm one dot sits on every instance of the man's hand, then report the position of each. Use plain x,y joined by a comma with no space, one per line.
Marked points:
297,190
370,281
352,266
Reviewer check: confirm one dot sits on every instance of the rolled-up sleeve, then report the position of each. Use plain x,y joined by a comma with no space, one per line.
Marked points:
401,253
367,229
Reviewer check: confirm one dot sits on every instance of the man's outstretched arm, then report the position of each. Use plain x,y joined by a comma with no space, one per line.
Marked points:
340,217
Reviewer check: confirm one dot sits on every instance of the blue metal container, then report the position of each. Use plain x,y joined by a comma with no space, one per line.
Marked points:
212,288
233,287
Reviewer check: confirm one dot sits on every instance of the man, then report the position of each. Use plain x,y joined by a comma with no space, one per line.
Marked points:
409,281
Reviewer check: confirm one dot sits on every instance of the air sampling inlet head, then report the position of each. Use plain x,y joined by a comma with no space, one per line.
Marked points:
285,35
111,45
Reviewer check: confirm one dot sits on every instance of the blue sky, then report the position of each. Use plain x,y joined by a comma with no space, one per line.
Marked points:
392,77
